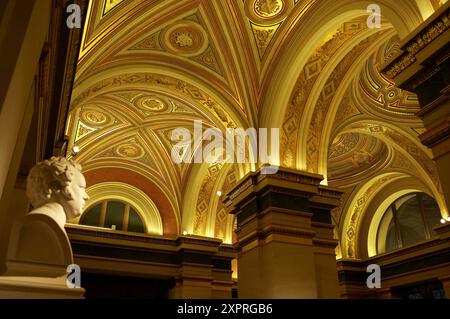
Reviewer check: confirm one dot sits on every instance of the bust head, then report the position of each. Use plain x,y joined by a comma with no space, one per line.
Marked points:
58,180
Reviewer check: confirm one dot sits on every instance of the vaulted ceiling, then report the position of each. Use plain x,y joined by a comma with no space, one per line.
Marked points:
308,67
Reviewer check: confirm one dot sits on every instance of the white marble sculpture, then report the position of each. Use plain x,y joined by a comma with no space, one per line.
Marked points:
41,250
57,191
57,188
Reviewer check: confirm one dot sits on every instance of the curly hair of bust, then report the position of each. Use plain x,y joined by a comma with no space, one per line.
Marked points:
50,177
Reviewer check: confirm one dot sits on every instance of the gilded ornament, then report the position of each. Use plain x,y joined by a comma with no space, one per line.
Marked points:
151,103
268,8
129,150
95,118
185,38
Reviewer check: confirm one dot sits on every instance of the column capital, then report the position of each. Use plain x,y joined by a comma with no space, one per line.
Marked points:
286,183
285,235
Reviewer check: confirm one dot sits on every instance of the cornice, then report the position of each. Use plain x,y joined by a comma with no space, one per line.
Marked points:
435,27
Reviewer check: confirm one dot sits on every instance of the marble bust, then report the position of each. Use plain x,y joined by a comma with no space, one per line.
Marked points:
57,188
57,191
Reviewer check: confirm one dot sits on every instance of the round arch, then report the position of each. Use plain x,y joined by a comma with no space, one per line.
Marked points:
142,75
363,125
348,83
143,204
149,188
403,15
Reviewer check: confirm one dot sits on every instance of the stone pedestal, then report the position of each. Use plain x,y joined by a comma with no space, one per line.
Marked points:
285,236
22,287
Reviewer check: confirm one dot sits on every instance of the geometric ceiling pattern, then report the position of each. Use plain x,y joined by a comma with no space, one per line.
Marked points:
307,67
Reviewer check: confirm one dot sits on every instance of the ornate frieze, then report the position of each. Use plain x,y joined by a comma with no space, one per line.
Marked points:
305,83
187,90
423,38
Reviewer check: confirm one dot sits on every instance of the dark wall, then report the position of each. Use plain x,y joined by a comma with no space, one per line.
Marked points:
101,286
425,290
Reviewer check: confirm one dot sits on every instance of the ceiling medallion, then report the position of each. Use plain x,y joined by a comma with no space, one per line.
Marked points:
267,12
185,38
268,8
392,95
129,150
151,103
95,118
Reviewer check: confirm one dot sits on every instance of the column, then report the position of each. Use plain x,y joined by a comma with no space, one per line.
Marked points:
324,243
222,283
285,236
204,269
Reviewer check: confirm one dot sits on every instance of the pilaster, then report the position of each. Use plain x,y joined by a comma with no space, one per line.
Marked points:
285,235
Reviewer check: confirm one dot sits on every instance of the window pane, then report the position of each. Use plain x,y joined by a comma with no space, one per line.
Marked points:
134,222
431,213
92,216
410,220
114,214
387,233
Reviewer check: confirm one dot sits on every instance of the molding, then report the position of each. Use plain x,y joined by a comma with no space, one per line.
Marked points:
432,255
439,133
161,256
431,29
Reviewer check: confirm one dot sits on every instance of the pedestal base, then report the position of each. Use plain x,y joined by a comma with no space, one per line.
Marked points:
22,287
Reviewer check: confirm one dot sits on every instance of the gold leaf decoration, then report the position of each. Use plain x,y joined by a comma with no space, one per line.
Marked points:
110,4
83,130
149,43
263,36
209,60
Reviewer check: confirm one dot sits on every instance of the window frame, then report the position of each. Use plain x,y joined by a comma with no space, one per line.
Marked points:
126,214
392,206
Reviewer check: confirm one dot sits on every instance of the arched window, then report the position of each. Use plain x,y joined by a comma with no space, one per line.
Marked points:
408,220
113,214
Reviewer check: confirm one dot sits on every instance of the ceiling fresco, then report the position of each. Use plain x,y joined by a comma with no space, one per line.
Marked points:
307,67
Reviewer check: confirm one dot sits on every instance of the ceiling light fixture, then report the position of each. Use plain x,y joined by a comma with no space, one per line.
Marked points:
75,150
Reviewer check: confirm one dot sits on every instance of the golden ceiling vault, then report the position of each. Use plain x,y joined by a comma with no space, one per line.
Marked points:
308,67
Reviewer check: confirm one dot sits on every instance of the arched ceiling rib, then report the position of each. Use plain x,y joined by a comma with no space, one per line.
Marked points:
308,67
